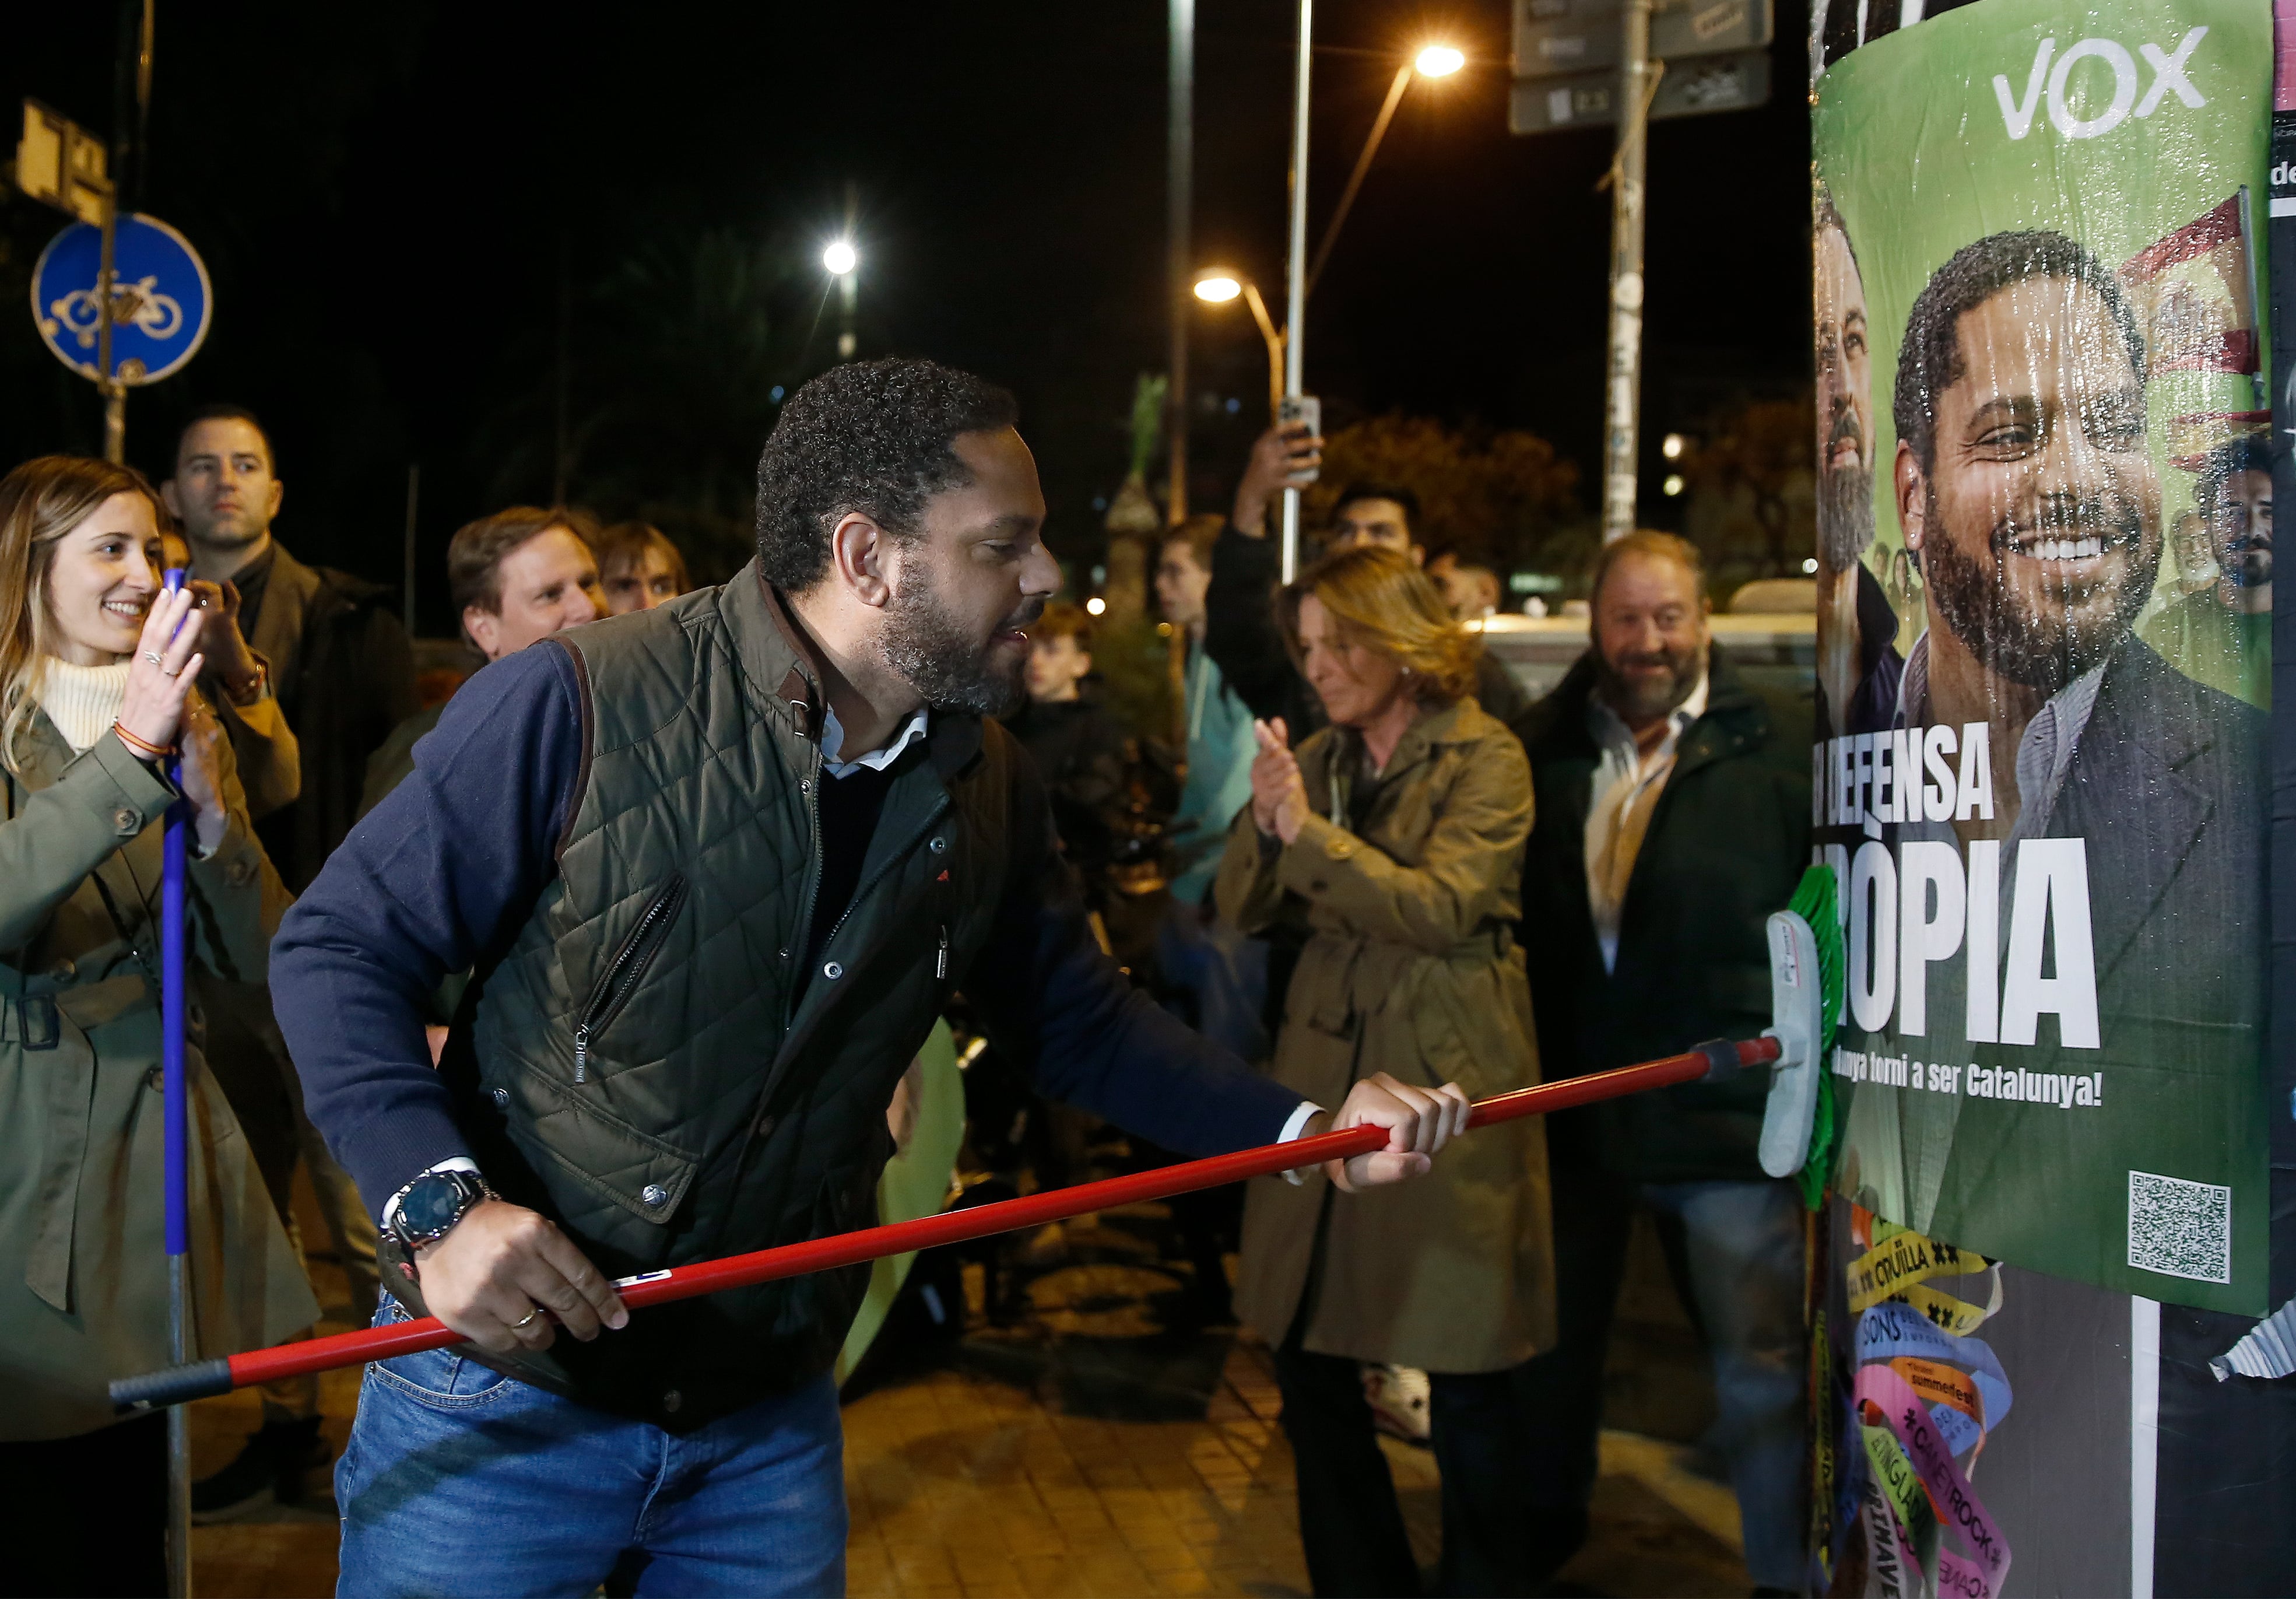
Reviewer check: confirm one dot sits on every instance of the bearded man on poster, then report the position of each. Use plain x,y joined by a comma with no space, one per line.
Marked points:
1858,664
2026,489
717,867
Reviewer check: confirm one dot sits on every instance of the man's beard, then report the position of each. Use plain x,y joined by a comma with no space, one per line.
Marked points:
1845,515
2049,649
1642,700
927,648
2248,561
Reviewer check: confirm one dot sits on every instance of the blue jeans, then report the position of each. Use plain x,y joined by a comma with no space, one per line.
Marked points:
459,1481
1736,1252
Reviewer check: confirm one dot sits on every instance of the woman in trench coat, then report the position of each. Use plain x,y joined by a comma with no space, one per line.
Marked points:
92,696
1397,834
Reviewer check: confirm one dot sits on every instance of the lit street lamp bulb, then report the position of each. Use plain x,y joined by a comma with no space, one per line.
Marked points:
1216,288
1438,60
1096,605
1673,484
1672,447
840,259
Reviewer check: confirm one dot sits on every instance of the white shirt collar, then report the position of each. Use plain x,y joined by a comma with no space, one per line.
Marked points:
833,737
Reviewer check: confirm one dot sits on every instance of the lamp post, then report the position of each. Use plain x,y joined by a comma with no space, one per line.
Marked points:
838,260
1295,298
1222,285
1178,180
1435,60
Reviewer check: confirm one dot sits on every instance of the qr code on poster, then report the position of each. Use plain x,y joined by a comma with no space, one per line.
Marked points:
2179,1229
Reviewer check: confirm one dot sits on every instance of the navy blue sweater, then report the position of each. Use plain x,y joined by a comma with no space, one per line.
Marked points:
441,875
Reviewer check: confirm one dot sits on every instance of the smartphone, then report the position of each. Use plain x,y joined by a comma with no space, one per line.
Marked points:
1300,411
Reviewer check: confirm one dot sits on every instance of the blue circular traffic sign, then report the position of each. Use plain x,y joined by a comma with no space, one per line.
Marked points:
162,303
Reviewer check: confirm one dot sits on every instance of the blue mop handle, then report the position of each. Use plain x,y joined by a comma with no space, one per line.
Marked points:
172,989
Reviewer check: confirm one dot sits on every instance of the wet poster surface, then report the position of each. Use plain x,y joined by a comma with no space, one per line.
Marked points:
2045,619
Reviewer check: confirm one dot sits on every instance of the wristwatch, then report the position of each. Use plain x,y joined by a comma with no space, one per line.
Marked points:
427,1209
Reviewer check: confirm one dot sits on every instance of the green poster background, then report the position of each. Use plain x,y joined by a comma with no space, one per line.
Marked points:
1914,143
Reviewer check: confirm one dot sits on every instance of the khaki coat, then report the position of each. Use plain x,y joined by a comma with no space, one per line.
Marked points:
82,1249
1410,968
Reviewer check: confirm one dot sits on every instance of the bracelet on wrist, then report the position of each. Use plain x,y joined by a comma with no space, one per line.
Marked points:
142,747
249,689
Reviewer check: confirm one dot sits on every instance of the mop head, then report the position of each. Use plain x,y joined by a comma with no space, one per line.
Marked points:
1807,995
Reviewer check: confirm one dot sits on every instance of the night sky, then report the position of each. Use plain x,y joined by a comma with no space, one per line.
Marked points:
399,204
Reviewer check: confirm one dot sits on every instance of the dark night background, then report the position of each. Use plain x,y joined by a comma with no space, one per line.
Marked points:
403,207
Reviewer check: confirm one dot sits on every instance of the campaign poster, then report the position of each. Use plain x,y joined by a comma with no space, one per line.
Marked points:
2045,635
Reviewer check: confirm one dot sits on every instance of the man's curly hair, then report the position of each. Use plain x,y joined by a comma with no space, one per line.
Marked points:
870,437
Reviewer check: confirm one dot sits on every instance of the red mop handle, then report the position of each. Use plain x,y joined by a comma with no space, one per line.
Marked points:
174,1386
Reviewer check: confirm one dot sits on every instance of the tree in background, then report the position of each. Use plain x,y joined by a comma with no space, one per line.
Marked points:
1502,497
1132,519
1751,506
675,357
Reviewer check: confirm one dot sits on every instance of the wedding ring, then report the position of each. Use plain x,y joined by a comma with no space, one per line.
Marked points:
154,657
527,1320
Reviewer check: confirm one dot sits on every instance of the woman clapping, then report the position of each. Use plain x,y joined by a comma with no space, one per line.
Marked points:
1396,835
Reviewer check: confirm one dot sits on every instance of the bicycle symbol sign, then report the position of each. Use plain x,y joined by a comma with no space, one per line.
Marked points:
160,301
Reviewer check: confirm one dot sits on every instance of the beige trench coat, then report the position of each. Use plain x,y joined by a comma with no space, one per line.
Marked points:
1410,968
83,1261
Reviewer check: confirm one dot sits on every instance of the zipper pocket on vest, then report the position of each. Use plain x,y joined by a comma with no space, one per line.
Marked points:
620,979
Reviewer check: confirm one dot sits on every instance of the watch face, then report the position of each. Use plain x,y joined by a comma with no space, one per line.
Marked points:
430,1205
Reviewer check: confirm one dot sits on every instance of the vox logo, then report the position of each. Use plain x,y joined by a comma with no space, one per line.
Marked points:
2068,103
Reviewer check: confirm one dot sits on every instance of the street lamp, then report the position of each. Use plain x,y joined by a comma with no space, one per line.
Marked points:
1222,285
1434,61
839,257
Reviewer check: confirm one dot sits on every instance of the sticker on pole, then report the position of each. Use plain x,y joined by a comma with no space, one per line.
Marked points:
160,301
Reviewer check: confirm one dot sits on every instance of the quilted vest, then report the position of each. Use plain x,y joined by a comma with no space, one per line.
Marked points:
639,1063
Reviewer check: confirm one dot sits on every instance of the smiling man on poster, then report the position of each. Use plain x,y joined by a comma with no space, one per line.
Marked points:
2072,826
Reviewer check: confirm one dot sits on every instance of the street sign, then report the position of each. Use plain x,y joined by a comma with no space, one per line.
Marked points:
1567,37
1690,89
160,301
62,164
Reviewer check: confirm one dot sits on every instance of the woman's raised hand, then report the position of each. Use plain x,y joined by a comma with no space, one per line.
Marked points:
1279,797
166,660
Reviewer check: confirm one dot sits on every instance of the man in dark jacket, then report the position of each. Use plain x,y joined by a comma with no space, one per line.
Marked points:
1673,817
340,668
717,867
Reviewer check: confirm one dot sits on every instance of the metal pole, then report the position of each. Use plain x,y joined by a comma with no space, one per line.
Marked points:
1178,190
1623,397
414,496
107,383
1295,303
1363,165
176,1166
1274,339
848,290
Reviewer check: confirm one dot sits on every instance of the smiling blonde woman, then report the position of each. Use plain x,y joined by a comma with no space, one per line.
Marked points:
96,668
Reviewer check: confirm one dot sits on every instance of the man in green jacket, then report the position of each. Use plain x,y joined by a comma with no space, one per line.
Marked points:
1673,817
718,867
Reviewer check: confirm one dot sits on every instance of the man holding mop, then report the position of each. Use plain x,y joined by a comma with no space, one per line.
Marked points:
717,867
